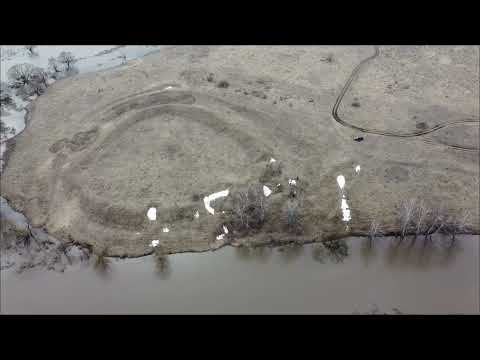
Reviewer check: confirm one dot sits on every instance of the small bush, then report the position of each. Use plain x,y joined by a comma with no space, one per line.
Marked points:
272,170
223,84
328,58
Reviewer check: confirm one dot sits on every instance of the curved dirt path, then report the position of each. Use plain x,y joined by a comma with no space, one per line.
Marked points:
346,87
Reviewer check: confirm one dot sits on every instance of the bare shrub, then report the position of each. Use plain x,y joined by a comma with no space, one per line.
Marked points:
328,58
248,211
223,84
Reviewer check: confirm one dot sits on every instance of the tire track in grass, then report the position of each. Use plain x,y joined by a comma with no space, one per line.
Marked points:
374,131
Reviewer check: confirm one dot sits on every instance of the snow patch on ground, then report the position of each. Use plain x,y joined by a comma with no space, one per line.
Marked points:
208,199
266,191
152,214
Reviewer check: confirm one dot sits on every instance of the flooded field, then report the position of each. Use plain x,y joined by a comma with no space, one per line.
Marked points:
239,281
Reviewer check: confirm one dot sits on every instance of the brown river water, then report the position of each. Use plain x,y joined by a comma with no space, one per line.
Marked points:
235,281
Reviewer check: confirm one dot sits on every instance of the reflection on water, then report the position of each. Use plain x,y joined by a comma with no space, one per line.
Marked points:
289,253
336,251
260,253
162,266
434,277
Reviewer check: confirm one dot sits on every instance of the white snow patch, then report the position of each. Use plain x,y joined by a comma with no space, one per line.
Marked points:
266,190
345,210
208,199
197,215
154,243
357,169
341,181
221,236
165,229
272,160
292,181
152,214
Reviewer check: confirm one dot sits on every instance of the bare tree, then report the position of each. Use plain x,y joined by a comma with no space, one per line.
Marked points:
456,225
31,49
421,214
248,209
40,76
374,231
434,223
20,75
67,58
407,210
5,94
419,221
54,65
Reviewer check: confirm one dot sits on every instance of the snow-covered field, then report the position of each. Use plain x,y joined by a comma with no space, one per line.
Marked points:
89,58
